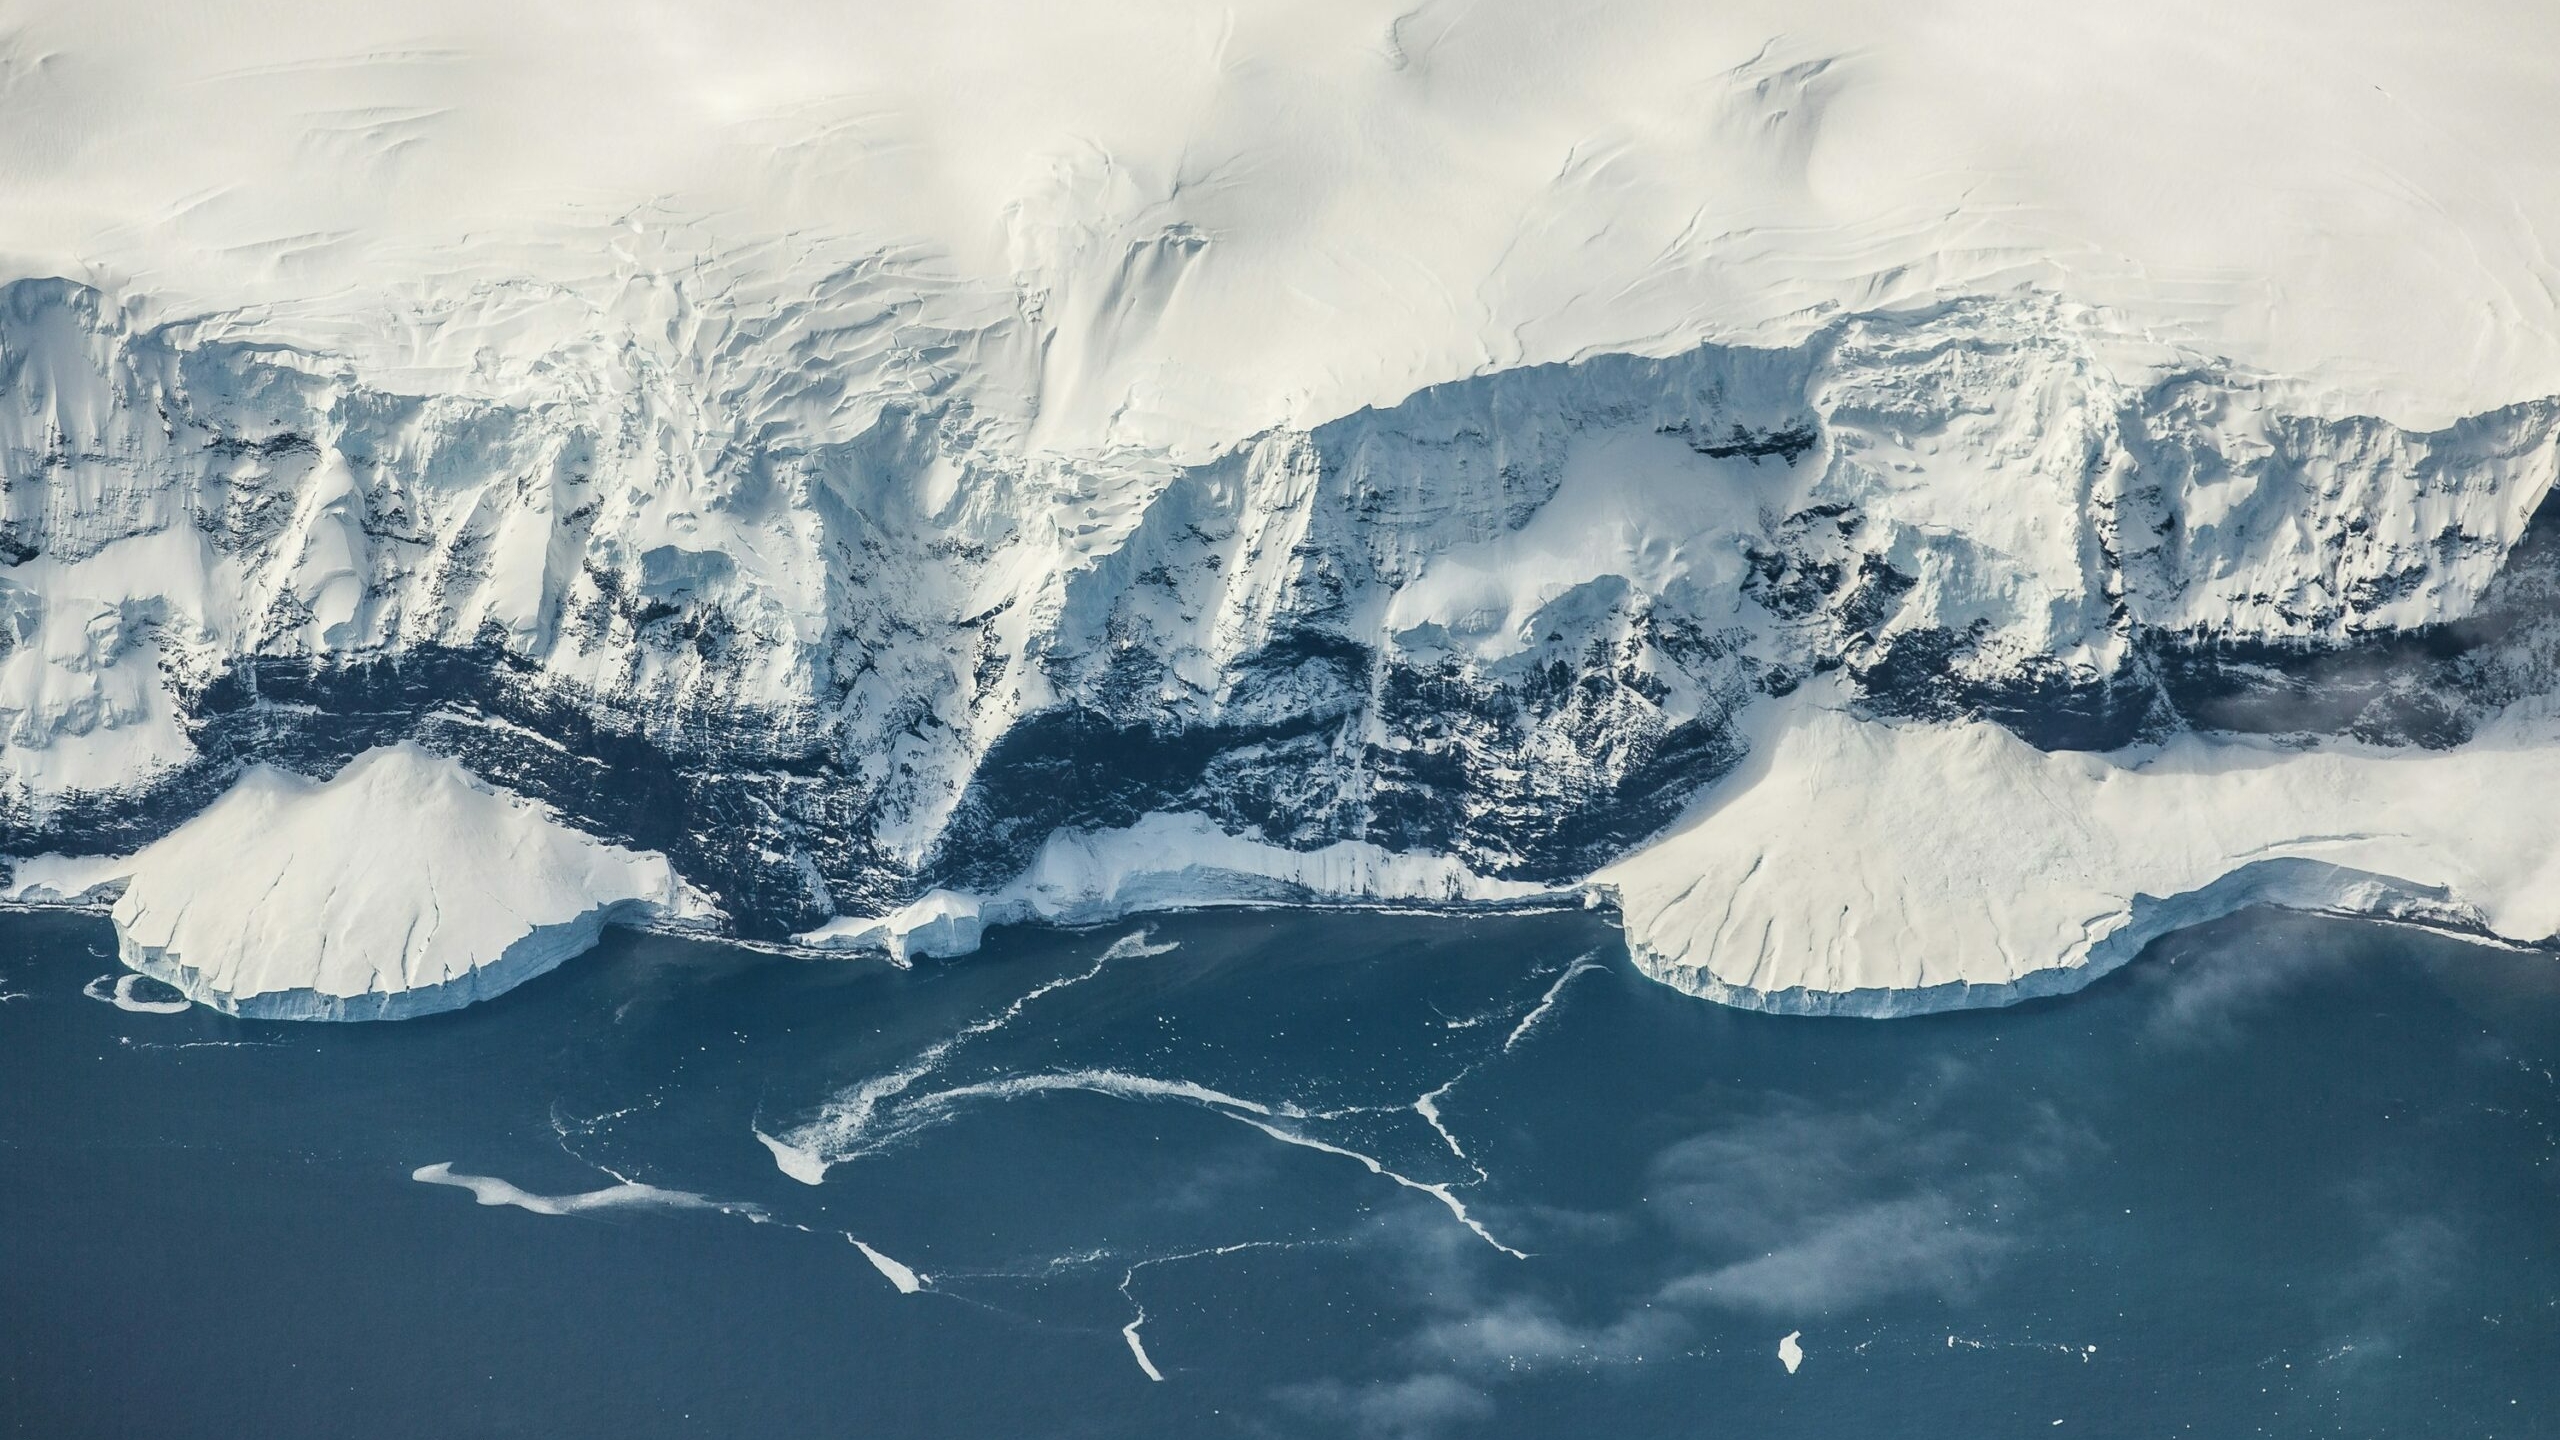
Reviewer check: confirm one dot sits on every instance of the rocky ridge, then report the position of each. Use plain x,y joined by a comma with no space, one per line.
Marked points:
781,589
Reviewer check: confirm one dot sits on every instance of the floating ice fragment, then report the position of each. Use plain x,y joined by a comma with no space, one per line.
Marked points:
1129,1332
804,1165
907,1281
121,996
1791,1354
628,1194
1438,1192
1135,946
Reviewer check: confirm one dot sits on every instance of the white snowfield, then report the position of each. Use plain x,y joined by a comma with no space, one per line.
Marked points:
937,358
1222,218
402,886
1854,867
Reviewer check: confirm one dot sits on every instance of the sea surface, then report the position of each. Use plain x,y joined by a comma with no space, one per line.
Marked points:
1285,1174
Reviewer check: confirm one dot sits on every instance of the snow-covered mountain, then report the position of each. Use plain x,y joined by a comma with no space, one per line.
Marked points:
1904,512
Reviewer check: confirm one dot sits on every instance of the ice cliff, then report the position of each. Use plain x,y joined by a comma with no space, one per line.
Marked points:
1767,484
398,887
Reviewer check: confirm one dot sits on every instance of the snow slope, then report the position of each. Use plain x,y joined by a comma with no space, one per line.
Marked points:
400,887
1854,867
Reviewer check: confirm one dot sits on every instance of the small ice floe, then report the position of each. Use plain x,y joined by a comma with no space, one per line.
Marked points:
118,990
907,1281
215,1045
1136,947
1137,1347
1428,1107
1791,1354
1470,1022
2080,1352
627,1194
797,1161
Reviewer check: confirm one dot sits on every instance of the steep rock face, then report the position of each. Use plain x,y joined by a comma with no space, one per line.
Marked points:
783,589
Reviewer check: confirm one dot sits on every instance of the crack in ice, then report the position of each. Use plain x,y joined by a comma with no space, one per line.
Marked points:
1549,1001
1428,1107
1129,1278
1439,1192
806,1152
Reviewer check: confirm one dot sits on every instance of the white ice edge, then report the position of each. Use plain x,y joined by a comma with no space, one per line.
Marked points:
117,990
1858,867
1862,867
1169,862
291,898
1849,866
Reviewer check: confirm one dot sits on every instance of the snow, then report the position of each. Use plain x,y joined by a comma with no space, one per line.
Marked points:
82,706
1169,862
941,364
1278,211
63,880
400,886
1868,868
1629,505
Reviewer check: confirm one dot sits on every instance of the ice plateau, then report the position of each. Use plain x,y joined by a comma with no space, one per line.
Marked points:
1904,506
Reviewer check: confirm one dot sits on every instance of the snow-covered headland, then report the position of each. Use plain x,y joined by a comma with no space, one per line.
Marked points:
1904,509
400,886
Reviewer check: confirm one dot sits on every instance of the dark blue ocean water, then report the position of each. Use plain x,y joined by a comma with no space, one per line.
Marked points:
2280,1177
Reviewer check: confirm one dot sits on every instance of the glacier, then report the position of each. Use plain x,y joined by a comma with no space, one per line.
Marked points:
398,887
1900,529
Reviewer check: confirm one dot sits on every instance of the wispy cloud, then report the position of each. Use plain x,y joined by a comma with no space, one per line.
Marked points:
1921,1243
1416,1407
1802,1211
1524,1331
2210,982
